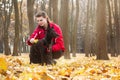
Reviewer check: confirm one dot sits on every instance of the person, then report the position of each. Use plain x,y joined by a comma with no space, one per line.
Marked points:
57,48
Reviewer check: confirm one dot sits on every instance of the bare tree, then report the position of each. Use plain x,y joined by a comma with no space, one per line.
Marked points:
64,25
55,11
17,24
30,13
21,28
111,39
1,30
71,23
50,9
113,27
87,30
117,27
101,30
75,29
6,23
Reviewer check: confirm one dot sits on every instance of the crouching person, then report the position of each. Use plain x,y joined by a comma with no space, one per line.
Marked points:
43,50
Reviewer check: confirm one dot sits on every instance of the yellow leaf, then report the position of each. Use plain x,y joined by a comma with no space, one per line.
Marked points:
26,76
62,72
36,40
46,76
3,64
18,61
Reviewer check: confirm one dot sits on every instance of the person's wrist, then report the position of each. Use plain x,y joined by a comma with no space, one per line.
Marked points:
32,40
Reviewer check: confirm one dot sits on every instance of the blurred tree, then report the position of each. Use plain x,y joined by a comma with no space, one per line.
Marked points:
117,27
21,28
71,23
1,37
50,9
30,13
17,27
64,25
111,33
7,10
113,28
74,47
101,31
1,29
87,30
55,11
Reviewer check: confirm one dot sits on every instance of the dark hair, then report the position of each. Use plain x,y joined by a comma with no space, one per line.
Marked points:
43,14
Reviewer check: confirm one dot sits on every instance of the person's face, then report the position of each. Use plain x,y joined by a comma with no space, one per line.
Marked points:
41,21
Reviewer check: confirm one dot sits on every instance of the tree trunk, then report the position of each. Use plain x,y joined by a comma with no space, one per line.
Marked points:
64,25
1,35
6,23
87,30
17,24
30,12
101,31
21,27
117,28
1,32
50,9
111,39
55,11
71,24
75,29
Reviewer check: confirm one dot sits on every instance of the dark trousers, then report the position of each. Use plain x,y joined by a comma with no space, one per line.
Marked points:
57,55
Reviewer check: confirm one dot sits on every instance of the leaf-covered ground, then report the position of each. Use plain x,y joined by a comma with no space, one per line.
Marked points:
76,68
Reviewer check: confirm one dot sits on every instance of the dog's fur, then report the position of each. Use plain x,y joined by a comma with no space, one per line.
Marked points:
37,51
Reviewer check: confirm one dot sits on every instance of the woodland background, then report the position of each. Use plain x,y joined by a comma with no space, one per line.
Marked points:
91,27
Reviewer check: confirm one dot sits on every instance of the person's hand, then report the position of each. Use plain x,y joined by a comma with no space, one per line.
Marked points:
36,40
33,40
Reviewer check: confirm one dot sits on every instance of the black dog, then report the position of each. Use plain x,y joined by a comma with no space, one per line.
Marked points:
37,51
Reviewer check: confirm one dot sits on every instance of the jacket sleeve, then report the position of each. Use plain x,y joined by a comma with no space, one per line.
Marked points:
33,35
59,43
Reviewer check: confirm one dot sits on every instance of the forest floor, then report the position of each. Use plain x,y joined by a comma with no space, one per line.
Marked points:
76,68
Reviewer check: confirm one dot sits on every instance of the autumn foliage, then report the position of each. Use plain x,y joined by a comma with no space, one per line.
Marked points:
76,68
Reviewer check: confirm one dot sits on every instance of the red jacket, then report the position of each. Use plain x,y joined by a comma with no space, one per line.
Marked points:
39,33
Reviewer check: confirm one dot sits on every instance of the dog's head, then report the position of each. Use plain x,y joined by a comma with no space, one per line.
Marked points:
51,33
